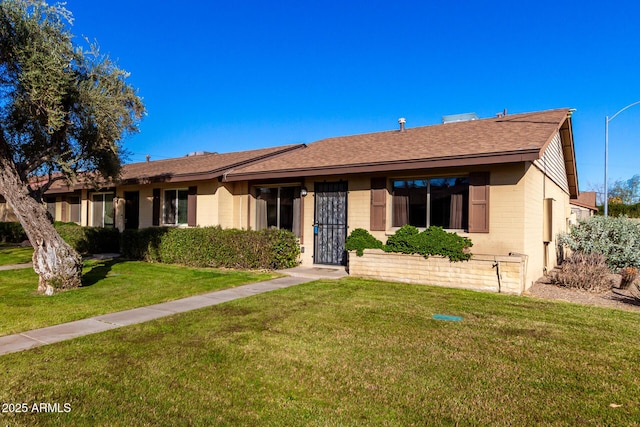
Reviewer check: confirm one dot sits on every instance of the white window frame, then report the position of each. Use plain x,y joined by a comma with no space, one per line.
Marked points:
177,216
113,201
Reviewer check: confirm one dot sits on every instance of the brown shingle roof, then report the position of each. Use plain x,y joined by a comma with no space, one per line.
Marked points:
516,137
203,166
188,168
586,199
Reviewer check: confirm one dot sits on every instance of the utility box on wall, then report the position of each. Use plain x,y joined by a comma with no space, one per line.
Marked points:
547,227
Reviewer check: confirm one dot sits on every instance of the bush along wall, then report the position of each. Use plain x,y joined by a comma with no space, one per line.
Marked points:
617,238
83,239
11,232
409,240
213,247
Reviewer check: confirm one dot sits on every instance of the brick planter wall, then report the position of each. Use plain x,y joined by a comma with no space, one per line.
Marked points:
479,273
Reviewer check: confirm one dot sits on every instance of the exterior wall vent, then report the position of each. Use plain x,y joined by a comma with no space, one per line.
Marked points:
459,118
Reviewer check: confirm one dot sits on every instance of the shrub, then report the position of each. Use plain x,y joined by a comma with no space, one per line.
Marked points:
213,247
584,271
143,244
621,209
359,240
432,241
618,239
11,232
628,276
92,240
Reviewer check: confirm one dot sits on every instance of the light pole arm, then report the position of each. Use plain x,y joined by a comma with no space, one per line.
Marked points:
625,108
607,119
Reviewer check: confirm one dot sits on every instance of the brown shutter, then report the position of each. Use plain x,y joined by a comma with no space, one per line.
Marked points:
191,206
479,202
156,206
378,204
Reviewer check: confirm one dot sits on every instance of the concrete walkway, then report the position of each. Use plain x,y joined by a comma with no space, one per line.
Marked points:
52,334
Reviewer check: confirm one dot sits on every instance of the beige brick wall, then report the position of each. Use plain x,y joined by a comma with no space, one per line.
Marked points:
484,273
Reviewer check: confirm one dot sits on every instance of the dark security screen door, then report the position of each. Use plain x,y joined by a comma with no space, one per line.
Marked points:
330,228
131,209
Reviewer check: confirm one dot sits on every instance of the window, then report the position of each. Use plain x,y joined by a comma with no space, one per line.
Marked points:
74,209
102,210
278,207
443,202
51,206
176,204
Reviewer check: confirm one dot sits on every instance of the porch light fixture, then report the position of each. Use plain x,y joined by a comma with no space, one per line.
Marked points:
607,119
303,191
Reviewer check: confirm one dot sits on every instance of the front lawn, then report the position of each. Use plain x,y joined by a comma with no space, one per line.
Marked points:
108,286
348,352
13,254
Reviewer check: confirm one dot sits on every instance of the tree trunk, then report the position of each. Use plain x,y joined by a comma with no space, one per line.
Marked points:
58,264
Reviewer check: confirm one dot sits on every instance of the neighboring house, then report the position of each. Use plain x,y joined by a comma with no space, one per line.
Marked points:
583,207
504,182
185,191
6,214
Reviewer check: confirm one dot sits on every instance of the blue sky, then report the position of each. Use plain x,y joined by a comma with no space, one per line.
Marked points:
228,76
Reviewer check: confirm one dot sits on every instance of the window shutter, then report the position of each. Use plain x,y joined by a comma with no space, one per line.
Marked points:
378,204
191,206
156,206
479,202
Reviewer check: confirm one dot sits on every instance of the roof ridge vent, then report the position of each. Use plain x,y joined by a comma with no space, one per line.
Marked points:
466,117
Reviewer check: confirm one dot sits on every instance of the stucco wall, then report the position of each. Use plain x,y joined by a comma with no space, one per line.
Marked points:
206,205
484,273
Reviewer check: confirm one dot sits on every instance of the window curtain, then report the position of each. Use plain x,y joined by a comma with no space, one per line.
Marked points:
400,210
455,213
296,215
261,214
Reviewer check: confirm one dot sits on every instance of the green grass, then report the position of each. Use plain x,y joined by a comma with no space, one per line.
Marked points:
108,286
12,254
349,352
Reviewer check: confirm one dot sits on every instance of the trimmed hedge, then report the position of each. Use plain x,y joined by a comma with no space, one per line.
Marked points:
142,244
408,240
213,247
198,247
12,232
83,239
620,209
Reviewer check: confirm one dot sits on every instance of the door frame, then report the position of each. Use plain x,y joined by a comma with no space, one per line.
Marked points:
333,226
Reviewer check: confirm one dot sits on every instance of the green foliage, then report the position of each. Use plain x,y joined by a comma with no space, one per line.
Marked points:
11,232
359,240
143,244
620,209
213,247
409,240
432,241
617,238
65,108
626,192
91,240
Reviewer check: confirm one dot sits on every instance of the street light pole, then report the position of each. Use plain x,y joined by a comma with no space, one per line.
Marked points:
606,155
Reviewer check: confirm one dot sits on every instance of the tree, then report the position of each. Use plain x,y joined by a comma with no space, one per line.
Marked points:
64,111
626,192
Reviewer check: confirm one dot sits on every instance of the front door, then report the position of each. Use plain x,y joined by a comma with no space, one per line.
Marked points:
131,209
330,227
